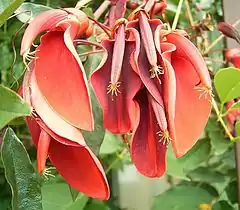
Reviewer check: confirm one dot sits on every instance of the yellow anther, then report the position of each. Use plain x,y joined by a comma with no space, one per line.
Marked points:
114,88
164,137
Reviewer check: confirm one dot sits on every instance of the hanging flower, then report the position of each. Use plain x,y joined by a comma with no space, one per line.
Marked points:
176,76
55,86
115,83
56,60
62,143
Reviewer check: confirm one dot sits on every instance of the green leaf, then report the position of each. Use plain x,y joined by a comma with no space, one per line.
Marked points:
110,144
231,191
57,196
11,106
218,142
198,154
174,167
7,8
79,203
222,205
19,172
94,138
182,197
208,175
74,192
28,11
227,83
96,205
6,57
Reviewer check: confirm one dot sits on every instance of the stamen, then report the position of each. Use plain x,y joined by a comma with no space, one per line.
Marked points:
164,137
205,92
155,71
47,172
114,88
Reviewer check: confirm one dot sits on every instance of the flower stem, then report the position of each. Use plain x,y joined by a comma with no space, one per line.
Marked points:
189,13
81,3
101,9
119,157
177,15
219,115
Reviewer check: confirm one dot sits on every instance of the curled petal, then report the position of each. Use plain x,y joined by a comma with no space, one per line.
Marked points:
147,149
193,107
44,22
186,50
67,97
50,118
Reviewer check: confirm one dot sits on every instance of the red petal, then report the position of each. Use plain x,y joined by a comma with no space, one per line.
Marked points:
77,164
192,109
148,153
61,80
116,108
44,22
80,168
233,55
42,151
49,117
188,51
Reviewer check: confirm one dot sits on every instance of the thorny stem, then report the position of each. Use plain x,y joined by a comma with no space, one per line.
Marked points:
81,3
218,40
177,15
220,119
189,13
101,9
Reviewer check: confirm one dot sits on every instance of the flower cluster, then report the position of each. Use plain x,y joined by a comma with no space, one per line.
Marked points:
152,83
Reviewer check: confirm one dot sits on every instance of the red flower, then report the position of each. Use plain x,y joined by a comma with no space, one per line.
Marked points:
56,87
115,83
56,60
63,143
174,73
233,55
